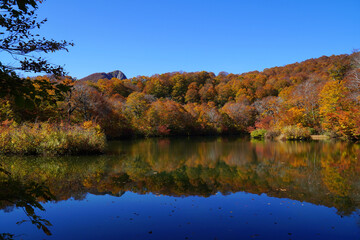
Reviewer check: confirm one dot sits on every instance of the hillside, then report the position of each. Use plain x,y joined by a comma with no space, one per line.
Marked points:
316,96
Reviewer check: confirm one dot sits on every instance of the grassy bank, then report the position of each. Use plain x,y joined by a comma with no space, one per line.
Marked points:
51,139
287,133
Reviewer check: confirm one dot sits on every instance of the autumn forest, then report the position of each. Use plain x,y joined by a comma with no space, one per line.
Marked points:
317,96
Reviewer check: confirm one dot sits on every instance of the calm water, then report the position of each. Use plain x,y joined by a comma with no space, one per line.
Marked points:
198,188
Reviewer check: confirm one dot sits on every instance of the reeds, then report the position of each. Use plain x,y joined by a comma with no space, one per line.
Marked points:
295,133
51,139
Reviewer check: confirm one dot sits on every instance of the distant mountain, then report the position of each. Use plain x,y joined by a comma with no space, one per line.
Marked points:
96,76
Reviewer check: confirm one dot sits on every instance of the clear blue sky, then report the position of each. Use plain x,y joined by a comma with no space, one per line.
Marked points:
144,37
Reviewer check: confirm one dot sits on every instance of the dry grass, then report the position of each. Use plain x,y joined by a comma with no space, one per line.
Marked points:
51,139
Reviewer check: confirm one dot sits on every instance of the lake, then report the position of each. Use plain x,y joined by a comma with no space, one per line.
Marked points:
186,188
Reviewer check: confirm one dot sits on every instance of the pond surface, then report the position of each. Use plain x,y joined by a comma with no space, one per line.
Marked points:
189,188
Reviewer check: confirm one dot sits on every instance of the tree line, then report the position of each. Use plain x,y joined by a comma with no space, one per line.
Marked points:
318,95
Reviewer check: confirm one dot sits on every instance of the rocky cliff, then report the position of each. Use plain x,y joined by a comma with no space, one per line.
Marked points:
96,76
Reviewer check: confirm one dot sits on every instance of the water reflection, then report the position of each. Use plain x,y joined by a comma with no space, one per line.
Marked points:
321,173
25,195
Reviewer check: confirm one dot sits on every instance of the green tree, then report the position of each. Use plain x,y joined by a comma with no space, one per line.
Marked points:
136,104
179,88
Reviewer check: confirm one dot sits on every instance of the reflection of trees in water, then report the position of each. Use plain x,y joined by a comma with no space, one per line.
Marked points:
315,172
25,195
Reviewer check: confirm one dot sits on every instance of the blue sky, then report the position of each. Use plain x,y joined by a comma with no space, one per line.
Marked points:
144,37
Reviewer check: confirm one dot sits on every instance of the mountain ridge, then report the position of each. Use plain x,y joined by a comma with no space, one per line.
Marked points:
102,75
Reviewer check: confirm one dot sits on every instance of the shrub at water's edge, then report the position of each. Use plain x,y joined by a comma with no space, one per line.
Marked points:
258,133
51,139
295,133
285,133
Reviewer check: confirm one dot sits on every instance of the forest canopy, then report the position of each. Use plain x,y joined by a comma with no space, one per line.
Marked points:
317,96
